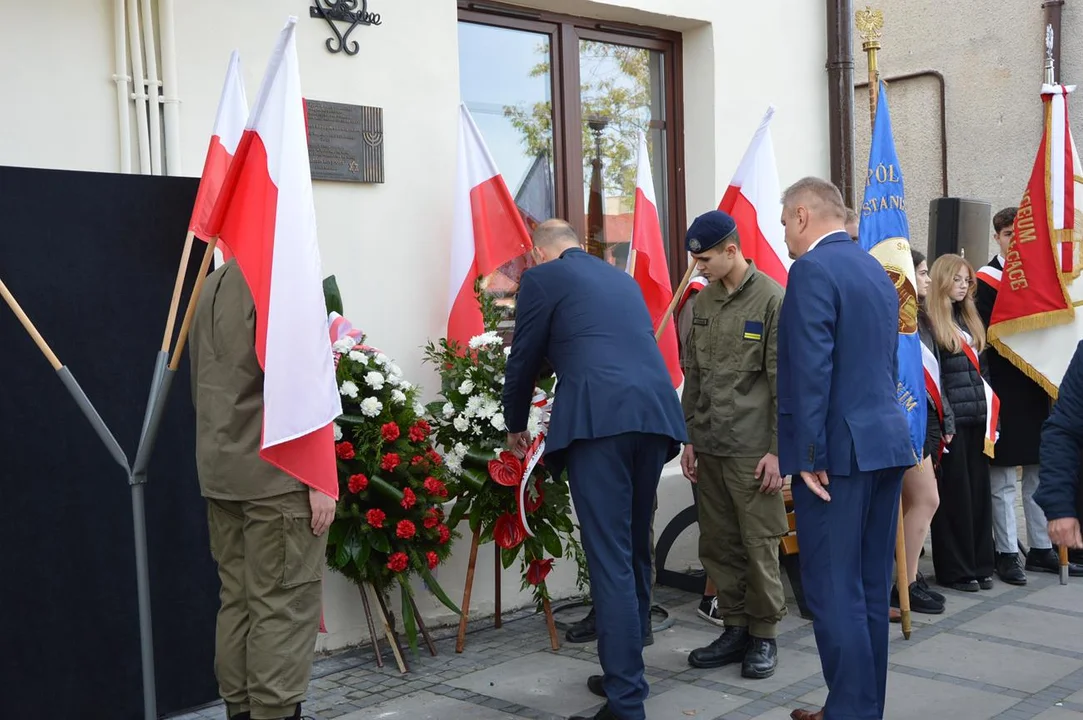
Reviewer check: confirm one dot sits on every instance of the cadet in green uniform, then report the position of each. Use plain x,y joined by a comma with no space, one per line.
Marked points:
730,407
267,530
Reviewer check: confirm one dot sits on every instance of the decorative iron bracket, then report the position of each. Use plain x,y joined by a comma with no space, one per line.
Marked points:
344,11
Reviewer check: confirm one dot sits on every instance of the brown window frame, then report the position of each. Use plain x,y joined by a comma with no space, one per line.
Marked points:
565,32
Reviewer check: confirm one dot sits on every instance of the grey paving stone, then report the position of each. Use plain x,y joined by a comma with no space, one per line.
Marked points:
914,698
691,703
671,648
545,681
427,706
1035,627
1060,597
1059,713
792,667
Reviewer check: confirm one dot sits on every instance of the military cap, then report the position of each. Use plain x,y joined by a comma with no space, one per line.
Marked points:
708,230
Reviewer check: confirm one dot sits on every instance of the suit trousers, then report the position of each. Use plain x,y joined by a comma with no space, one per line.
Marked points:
614,482
270,566
847,555
1005,526
962,528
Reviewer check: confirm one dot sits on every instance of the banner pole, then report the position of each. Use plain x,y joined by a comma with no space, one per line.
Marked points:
676,299
178,285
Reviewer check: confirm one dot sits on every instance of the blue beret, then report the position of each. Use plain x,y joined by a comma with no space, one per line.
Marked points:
708,230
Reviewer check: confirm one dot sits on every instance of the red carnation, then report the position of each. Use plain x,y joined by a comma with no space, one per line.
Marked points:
445,534
405,529
433,456
420,431
435,488
408,498
506,470
433,559
345,450
508,532
397,562
417,460
431,519
390,432
376,518
390,462
358,483
537,571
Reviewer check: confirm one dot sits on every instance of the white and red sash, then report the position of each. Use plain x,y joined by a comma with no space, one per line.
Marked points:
694,286
990,276
932,386
992,402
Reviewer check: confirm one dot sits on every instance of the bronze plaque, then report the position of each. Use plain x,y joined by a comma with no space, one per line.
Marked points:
345,142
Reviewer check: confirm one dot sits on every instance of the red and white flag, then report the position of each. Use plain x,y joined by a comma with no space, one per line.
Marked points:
1035,323
266,217
992,402
754,200
647,262
487,230
229,124
932,385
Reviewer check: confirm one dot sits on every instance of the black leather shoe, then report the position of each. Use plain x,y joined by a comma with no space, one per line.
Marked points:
963,585
761,659
604,714
241,716
594,684
1009,569
924,585
1047,561
648,639
730,647
583,631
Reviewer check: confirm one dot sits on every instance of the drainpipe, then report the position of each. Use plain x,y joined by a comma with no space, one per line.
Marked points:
170,101
840,96
1052,10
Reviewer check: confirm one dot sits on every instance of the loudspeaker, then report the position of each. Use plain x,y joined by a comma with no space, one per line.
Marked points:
960,226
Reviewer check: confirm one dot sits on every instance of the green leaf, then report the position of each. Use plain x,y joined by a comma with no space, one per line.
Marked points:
474,479
353,420
409,622
549,539
342,556
507,557
379,542
475,522
337,532
481,457
359,551
458,510
331,295
385,488
434,587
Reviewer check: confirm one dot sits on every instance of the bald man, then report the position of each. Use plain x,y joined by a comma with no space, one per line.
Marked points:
843,437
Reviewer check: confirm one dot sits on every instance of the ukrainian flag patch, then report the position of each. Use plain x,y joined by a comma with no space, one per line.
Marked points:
753,330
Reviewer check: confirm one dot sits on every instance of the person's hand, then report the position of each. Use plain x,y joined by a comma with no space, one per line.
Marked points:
768,468
519,443
1064,532
323,511
817,482
688,463
948,438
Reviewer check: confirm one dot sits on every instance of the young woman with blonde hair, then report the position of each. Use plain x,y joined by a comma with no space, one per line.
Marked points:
962,529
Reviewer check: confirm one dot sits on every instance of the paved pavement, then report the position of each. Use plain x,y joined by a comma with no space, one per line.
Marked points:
1009,653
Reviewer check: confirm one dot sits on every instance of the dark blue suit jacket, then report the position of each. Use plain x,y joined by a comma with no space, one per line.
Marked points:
1059,484
838,335
589,319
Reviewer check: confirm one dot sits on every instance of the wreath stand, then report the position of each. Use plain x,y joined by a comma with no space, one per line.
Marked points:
460,642
392,636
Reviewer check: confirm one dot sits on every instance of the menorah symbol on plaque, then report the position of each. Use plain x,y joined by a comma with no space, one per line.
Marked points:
373,138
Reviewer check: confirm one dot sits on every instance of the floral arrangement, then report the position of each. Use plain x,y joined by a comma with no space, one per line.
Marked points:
390,523
485,479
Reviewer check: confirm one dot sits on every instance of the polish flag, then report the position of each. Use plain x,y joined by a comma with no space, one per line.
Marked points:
647,262
754,200
266,217
487,229
229,125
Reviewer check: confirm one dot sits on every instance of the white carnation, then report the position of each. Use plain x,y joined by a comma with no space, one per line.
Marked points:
374,380
466,387
383,359
398,396
395,370
489,407
338,432
507,350
498,421
348,388
533,426
489,338
500,379
358,357
419,410
461,424
344,344
406,386
371,407
449,410
473,406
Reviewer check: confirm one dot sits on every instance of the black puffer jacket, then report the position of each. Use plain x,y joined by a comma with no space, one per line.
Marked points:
963,386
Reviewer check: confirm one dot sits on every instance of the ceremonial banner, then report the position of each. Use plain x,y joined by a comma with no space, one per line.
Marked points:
754,200
648,265
1034,323
885,233
266,217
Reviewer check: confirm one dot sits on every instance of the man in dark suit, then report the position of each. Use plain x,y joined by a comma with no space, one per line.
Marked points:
843,437
1060,489
616,420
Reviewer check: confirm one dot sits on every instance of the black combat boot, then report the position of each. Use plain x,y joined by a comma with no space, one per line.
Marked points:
1009,569
761,659
730,647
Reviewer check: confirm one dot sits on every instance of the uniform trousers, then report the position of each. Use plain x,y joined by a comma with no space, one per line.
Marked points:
270,566
739,531
614,483
962,528
847,557
1005,526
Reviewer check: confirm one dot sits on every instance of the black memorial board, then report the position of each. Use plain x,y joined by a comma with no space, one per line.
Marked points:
345,142
91,258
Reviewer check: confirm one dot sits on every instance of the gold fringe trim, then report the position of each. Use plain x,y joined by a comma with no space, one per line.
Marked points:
989,445
1026,368
1038,321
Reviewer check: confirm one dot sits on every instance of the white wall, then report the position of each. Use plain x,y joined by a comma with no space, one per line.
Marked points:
387,243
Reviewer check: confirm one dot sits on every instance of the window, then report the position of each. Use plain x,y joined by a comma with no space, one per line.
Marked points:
560,102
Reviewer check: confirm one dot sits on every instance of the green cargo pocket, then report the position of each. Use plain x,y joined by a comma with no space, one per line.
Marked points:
303,552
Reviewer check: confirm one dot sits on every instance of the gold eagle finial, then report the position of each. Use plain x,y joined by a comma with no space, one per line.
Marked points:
869,23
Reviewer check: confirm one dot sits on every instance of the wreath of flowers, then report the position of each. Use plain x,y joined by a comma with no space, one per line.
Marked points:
389,523
485,479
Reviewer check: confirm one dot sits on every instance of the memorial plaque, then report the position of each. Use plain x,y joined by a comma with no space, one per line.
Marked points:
345,142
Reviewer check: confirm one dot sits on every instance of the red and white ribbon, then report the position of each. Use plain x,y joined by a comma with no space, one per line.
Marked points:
534,453
992,402
932,386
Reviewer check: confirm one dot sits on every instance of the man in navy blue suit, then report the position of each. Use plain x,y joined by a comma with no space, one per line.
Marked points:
843,437
616,420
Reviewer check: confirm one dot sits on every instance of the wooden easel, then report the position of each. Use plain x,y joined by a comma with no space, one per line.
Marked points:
392,636
498,622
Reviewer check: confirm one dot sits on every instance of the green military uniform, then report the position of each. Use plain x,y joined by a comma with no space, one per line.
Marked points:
730,406
269,562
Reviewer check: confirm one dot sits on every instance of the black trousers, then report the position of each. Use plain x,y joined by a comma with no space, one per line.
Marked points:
962,529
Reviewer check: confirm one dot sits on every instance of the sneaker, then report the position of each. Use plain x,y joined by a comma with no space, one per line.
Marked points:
920,601
928,590
708,610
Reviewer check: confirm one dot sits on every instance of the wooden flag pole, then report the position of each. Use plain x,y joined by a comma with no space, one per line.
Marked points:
186,324
29,326
676,299
178,285
902,576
